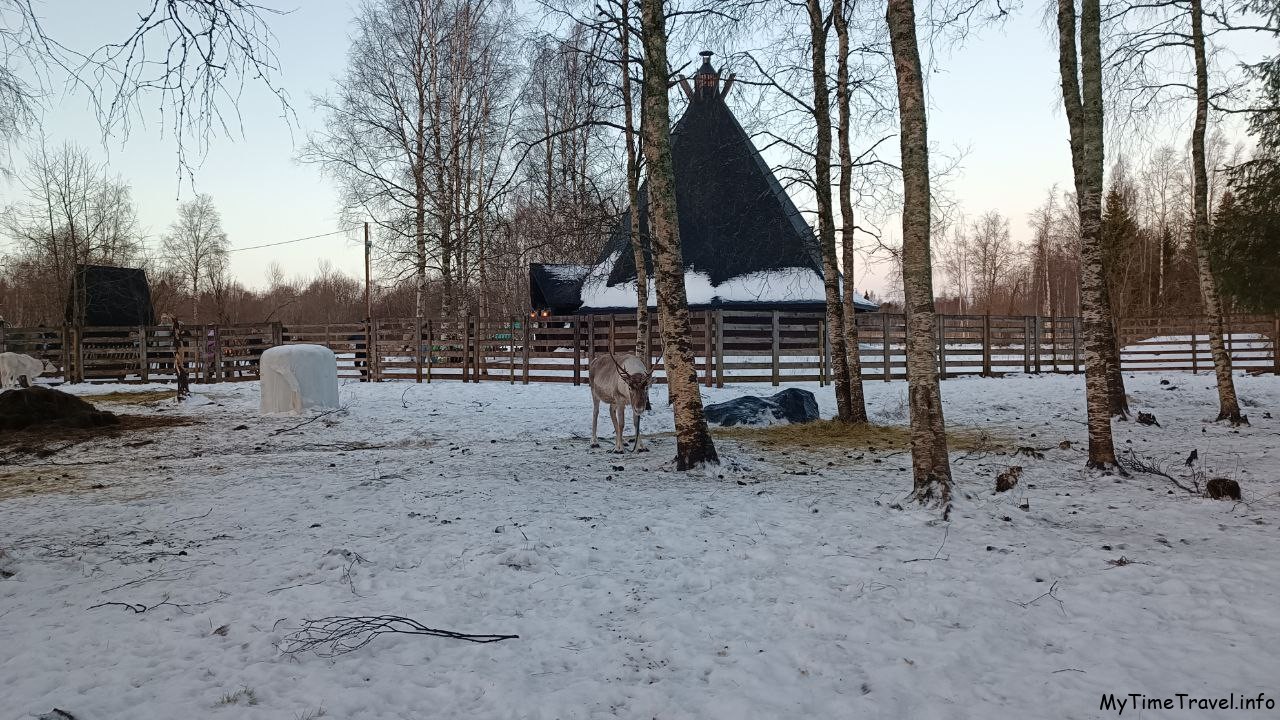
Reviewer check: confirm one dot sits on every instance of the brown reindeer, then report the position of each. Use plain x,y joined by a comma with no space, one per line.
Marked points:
619,381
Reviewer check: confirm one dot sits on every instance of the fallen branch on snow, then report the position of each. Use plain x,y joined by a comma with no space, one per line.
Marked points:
1133,464
331,636
324,414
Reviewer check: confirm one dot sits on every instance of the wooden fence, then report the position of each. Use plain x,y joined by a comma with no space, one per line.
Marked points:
729,346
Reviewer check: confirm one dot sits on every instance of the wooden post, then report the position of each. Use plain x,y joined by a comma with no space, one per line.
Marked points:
3,342
1026,345
143,369
1075,344
1275,345
528,335
1195,358
511,350
1036,334
371,347
430,344
942,346
824,348
986,345
217,352
577,350
417,349
591,339
777,338
888,367
706,349
613,339
720,348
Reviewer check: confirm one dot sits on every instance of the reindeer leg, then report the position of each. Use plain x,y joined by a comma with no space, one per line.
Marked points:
638,447
619,423
595,420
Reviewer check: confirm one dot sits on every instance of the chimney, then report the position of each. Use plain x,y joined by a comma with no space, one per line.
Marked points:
706,84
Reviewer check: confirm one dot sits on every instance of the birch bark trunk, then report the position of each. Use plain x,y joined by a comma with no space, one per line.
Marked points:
1084,115
930,464
693,440
1228,402
826,214
633,194
849,343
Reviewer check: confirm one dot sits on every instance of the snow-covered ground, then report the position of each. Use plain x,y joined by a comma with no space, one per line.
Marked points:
781,585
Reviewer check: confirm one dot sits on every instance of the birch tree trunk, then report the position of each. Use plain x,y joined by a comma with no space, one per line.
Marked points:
693,440
1228,403
1117,399
1084,116
849,343
633,193
930,464
826,214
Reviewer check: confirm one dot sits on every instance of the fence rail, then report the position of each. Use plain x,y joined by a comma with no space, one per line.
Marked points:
729,346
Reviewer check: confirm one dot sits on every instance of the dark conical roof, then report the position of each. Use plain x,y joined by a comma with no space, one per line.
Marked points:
743,240
735,218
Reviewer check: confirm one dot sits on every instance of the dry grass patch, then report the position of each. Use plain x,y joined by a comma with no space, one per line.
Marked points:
140,397
832,434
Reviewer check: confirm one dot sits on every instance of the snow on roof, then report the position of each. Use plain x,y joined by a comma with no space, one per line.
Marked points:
783,286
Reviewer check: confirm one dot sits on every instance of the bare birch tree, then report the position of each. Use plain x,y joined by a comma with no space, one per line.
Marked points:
1081,75
1228,402
694,446
851,348
930,465
195,248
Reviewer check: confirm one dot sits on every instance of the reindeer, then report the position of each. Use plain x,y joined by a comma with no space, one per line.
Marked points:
619,380
18,370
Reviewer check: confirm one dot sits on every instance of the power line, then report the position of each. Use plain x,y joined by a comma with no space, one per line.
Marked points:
296,240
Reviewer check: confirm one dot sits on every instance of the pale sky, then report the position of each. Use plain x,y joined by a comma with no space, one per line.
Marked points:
997,98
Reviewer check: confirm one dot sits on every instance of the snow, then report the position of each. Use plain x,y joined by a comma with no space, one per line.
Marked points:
782,584
297,378
785,285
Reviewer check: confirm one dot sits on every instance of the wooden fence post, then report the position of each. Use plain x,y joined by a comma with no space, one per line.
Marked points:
776,341
577,350
591,339
884,325
371,346
1195,354
986,345
430,345
613,335
528,334
707,361
217,351
942,346
3,341
1275,345
144,362
720,348
1036,330
1075,344
824,346
475,328
1026,345
417,349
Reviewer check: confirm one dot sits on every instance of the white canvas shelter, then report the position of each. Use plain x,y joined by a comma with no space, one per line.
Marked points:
297,378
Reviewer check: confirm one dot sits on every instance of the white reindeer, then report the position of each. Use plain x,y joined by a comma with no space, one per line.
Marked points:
18,370
619,381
